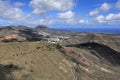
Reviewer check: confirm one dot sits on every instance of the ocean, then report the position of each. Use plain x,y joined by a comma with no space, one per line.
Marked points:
93,30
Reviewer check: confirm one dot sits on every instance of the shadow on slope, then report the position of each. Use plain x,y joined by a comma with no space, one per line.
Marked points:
30,35
103,52
5,71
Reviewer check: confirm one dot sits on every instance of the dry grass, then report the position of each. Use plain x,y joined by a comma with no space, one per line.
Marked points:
45,61
39,61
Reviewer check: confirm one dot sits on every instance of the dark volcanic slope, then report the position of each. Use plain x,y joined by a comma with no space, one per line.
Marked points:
94,61
102,51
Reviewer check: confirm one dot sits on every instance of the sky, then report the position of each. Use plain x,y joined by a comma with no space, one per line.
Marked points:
61,13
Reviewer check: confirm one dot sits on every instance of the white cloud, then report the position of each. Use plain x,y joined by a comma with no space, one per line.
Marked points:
77,22
81,21
70,18
41,6
7,11
66,15
19,4
100,19
118,4
40,21
105,7
71,21
94,12
110,18
13,14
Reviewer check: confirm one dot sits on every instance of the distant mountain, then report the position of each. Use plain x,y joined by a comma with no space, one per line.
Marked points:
43,33
41,27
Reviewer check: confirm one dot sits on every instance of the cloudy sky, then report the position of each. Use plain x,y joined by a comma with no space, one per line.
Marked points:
61,13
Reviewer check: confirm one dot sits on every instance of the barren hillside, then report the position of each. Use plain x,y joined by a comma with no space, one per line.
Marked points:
46,61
